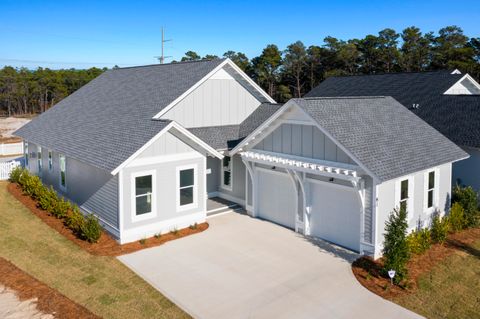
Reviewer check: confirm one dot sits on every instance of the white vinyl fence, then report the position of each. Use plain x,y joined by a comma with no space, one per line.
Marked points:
6,168
11,149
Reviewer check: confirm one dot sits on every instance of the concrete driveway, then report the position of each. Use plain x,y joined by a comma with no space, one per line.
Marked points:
243,267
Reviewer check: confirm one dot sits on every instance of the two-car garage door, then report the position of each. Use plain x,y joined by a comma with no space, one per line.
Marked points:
335,209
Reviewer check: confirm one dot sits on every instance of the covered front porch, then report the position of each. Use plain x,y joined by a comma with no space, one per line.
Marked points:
217,205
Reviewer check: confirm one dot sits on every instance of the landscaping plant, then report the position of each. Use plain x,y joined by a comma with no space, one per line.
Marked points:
47,199
456,217
15,174
75,219
395,246
439,228
91,229
468,198
419,241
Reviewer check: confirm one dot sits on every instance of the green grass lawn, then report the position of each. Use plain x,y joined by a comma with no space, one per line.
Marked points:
451,289
101,284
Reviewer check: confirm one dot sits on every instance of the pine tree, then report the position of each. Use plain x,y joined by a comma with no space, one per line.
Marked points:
395,247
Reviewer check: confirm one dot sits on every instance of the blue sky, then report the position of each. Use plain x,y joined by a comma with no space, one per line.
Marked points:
64,34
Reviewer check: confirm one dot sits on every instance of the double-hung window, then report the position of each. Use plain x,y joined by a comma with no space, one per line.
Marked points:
63,171
404,194
50,160
430,184
26,154
143,195
186,187
39,159
227,172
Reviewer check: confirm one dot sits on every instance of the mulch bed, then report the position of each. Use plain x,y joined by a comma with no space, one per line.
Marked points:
368,272
49,300
106,245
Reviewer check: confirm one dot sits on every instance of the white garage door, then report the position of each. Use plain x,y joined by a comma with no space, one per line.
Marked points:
335,214
276,198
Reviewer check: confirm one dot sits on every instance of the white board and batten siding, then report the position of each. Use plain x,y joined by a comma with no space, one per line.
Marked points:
220,100
6,168
303,140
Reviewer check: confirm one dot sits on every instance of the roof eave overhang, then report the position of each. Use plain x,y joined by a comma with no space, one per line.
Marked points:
206,77
172,125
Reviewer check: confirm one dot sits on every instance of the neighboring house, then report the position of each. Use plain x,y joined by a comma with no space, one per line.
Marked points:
448,101
144,148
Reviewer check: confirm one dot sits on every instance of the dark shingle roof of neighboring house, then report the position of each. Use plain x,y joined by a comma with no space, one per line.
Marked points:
227,136
455,116
107,120
387,139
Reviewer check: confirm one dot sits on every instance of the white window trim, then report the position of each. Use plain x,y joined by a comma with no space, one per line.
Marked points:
26,155
411,192
39,160
50,160
430,210
153,213
222,184
181,208
63,188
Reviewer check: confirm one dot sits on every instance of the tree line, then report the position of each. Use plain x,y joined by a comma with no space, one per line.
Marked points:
283,74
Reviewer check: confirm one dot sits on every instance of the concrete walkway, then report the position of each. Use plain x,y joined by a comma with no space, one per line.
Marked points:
243,267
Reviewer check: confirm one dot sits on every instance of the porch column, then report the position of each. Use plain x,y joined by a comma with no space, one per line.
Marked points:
251,173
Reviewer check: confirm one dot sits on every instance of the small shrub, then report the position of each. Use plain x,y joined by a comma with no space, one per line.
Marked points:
15,174
174,231
419,241
468,198
194,226
143,241
61,208
75,219
31,185
157,235
456,217
91,230
439,228
395,247
48,200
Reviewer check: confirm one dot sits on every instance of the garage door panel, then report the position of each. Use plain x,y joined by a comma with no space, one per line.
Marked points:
335,214
276,201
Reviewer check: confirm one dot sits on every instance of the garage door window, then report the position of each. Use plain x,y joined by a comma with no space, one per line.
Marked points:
186,187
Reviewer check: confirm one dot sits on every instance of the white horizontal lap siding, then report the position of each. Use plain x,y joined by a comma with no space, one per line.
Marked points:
388,198
161,159
217,101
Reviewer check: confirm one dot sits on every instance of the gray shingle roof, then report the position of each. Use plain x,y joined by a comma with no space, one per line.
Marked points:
107,120
455,116
228,136
386,138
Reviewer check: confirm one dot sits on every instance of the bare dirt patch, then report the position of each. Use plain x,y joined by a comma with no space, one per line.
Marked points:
48,300
368,272
106,245
9,125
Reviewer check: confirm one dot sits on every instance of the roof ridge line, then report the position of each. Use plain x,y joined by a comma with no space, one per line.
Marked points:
165,64
366,97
